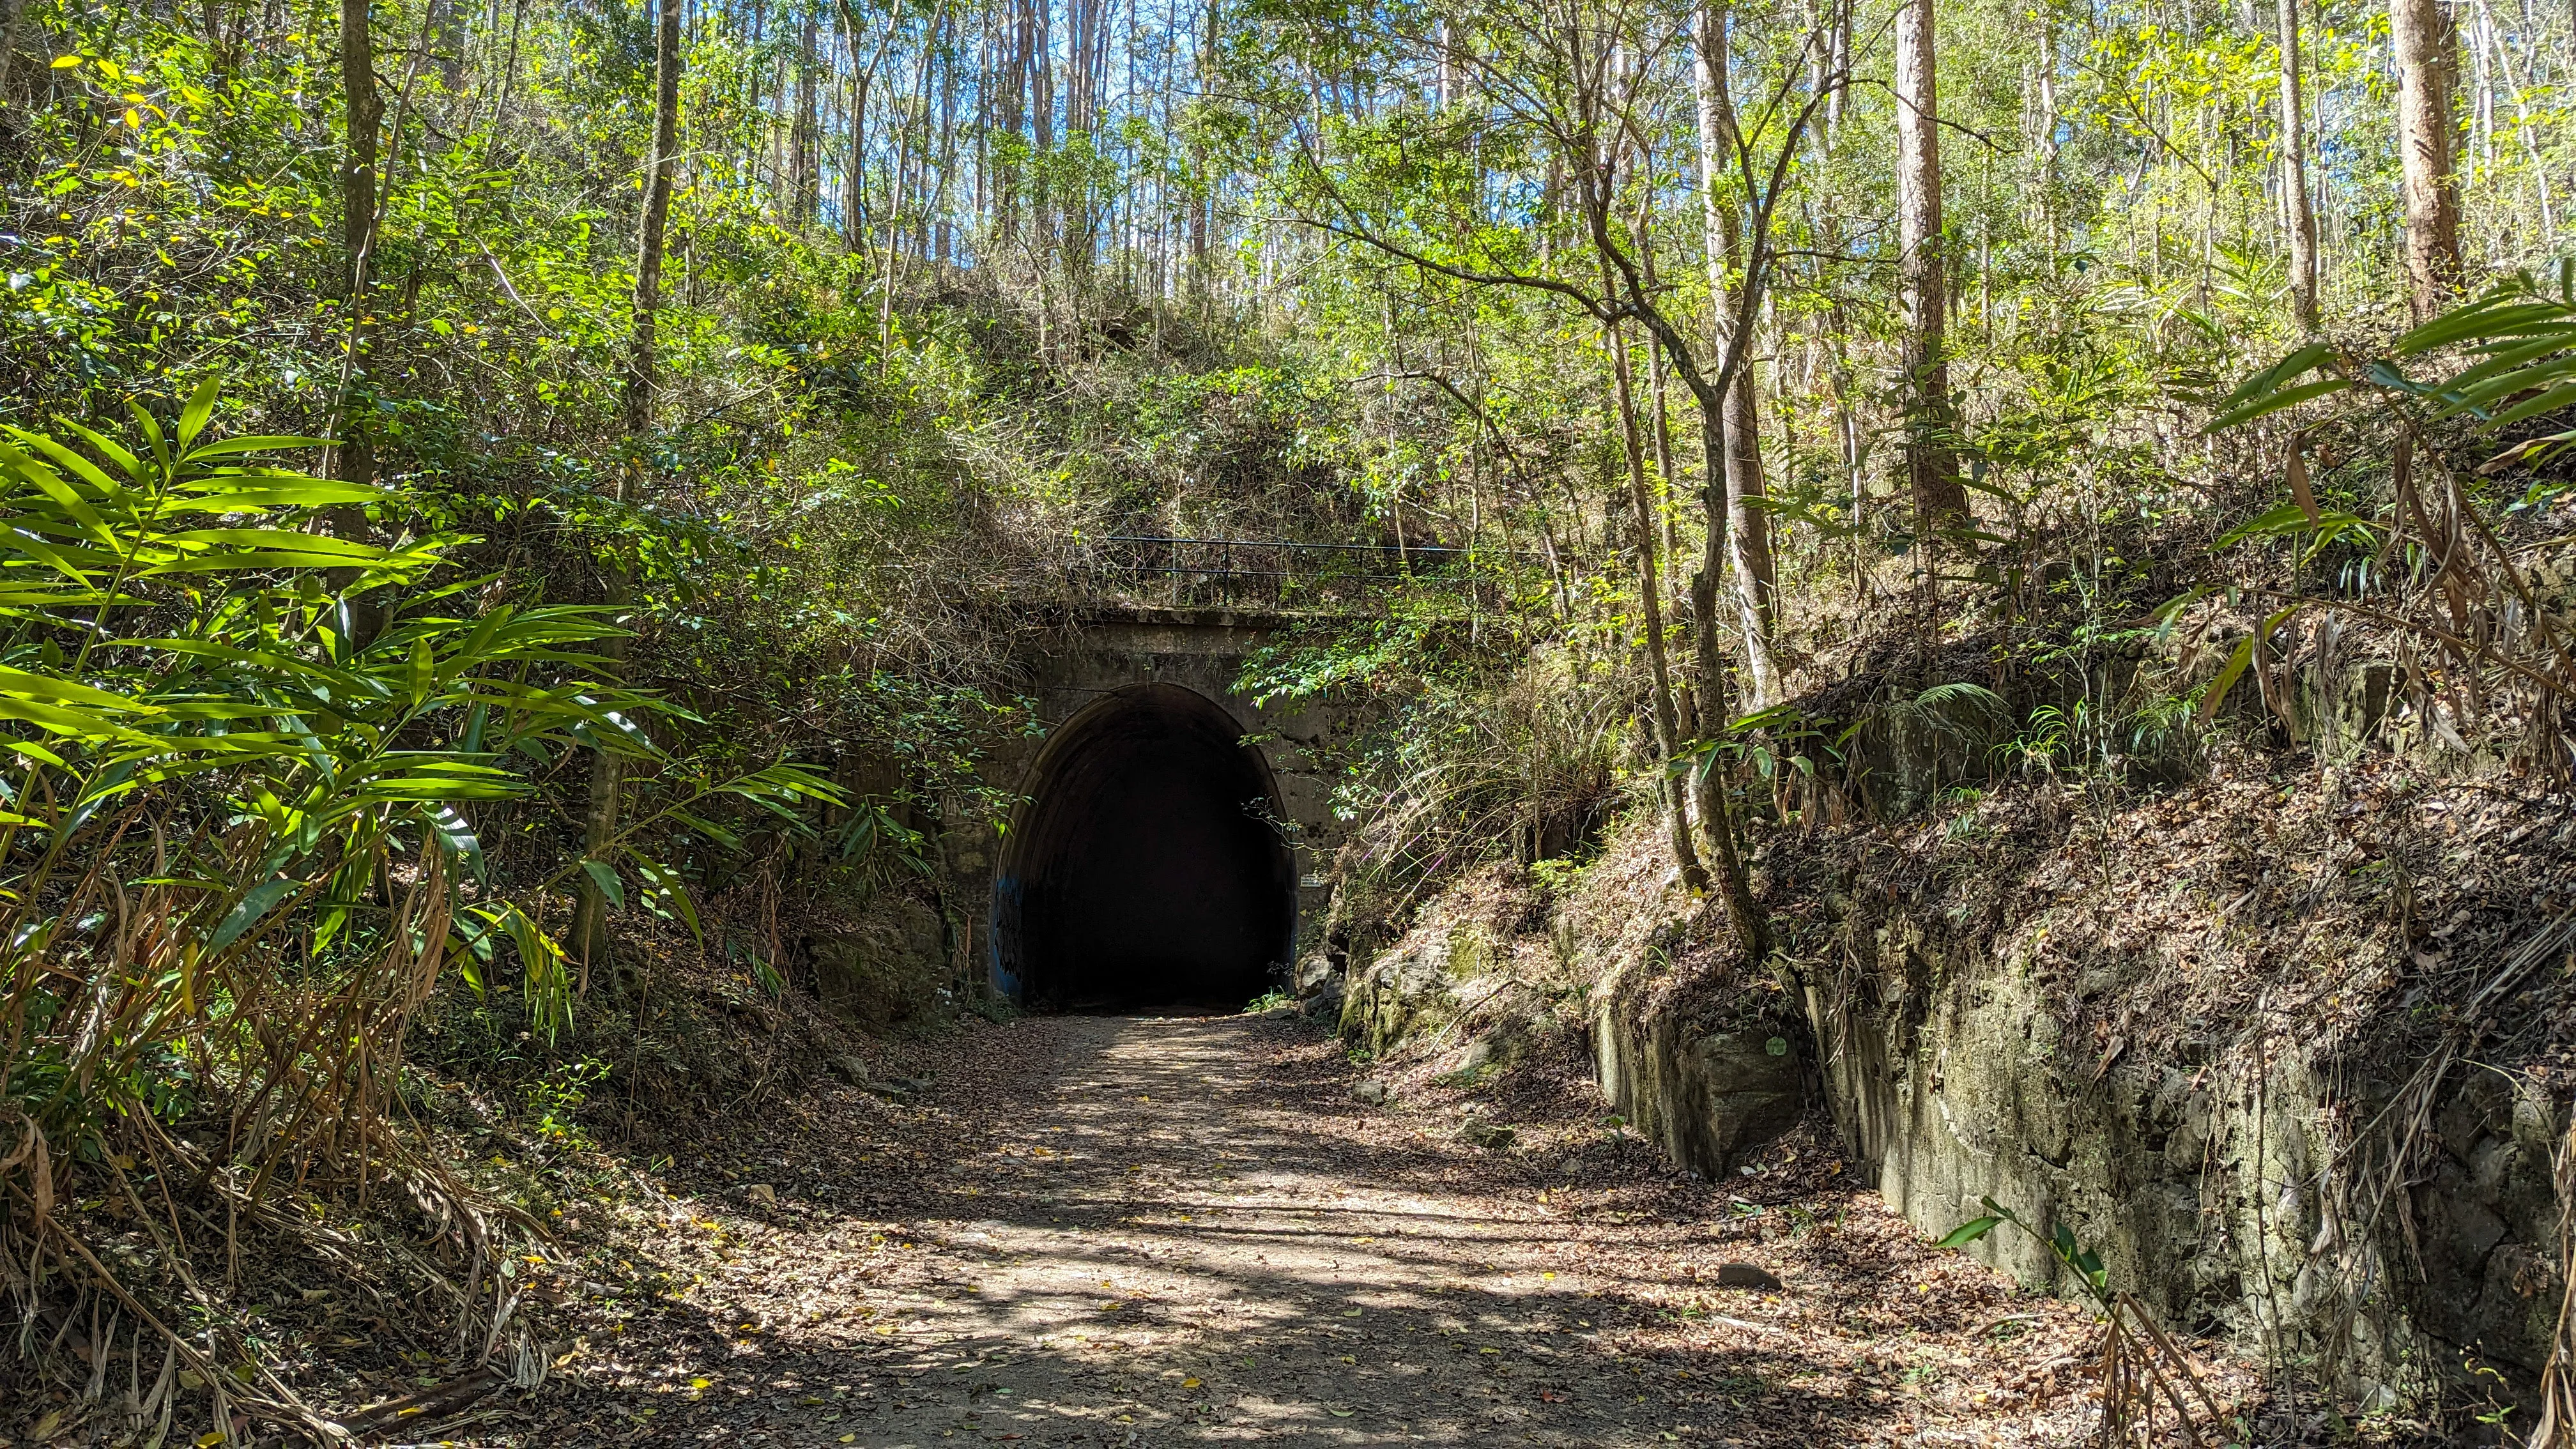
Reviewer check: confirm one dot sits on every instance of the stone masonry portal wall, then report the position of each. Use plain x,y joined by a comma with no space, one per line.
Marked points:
1200,650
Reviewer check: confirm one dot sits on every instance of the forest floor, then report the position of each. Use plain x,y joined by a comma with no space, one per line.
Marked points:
1103,1231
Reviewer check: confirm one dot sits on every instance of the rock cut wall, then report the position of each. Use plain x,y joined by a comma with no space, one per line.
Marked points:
2244,1163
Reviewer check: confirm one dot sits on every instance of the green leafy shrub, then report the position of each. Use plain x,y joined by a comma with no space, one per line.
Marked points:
243,757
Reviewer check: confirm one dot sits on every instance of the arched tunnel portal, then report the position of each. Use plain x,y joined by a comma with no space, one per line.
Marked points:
1148,865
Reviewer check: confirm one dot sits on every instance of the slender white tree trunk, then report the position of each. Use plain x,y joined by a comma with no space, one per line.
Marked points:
1749,563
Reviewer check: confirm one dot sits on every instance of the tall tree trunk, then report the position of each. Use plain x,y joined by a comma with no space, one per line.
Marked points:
1042,203
2427,144
755,76
1716,813
854,176
1011,183
1073,213
635,417
1749,538
17,12
1202,199
1748,557
2294,175
779,124
363,111
805,133
1596,182
1445,73
863,84
981,234
944,244
2048,143
1665,473
1838,69
1668,740
1922,281
911,122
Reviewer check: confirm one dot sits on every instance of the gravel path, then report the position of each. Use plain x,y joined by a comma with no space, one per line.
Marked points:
1116,1232
1171,1252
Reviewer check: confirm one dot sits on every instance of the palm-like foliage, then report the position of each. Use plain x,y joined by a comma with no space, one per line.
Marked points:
242,762
2479,625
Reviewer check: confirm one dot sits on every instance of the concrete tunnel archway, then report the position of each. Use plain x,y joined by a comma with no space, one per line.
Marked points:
1147,866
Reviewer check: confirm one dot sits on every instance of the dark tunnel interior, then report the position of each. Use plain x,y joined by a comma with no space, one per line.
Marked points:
1144,871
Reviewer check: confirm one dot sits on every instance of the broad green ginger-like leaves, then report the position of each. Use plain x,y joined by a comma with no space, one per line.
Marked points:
182,618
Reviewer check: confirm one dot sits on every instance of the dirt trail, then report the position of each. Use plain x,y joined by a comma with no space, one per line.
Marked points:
1154,1232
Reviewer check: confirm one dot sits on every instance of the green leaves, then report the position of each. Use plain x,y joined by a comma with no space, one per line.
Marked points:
1969,1231
201,406
545,980
2521,339
2521,335
2237,662
604,875
101,519
2061,1242
255,903
666,894
2525,341
2272,390
335,757
2327,525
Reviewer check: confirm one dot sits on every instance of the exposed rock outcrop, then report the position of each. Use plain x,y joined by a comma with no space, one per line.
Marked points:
2294,1064
884,968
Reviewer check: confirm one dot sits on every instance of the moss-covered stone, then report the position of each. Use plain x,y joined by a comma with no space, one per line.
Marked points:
1406,992
1708,1097
886,968
2226,1200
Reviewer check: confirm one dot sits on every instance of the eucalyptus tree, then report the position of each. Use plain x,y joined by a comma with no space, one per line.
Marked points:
1749,557
2426,48
1569,94
1923,365
2302,211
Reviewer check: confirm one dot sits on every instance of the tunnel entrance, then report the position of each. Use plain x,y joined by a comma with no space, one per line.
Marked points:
1146,868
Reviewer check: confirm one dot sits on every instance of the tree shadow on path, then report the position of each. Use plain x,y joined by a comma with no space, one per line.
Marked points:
1163,1232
